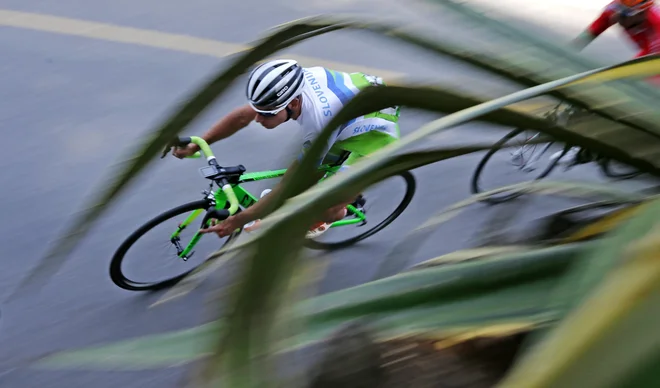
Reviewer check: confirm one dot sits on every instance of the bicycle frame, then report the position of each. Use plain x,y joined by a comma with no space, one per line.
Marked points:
234,195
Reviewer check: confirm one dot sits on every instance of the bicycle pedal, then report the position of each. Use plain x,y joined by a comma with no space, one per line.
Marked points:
359,201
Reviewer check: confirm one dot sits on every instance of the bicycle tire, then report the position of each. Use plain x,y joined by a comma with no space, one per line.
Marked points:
474,184
116,273
606,169
411,187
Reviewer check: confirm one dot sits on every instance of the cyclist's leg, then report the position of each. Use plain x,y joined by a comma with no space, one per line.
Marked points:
363,145
334,159
361,138
360,146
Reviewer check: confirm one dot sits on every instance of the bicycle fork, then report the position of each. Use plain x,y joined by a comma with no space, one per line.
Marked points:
187,252
184,253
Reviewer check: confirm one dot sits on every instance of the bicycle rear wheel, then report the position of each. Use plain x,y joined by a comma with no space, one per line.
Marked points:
208,243
343,236
616,170
524,159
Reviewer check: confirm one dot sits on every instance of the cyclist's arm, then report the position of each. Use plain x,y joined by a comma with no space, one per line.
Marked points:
236,120
597,27
583,40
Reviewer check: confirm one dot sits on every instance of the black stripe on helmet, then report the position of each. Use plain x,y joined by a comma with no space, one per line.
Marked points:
270,98
263,74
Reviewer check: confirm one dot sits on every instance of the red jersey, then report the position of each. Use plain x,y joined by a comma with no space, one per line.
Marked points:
646,35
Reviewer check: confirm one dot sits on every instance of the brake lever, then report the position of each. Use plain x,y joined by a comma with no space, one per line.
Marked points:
177,143
168,147
166,151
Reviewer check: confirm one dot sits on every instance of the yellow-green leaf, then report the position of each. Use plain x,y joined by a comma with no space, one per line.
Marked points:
610,339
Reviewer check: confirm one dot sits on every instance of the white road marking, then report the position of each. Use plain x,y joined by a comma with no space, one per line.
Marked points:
157,39
171,41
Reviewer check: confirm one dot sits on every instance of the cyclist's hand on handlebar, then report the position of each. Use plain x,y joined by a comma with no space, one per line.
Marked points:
224,228
182,152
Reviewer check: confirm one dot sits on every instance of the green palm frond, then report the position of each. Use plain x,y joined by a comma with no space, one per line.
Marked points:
284,36
436,302
609,335
413,303
289,222
544,61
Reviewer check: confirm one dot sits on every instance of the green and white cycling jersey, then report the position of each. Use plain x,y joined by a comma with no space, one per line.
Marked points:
325,93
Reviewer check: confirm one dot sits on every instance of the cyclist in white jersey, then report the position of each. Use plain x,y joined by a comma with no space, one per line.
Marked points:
280,90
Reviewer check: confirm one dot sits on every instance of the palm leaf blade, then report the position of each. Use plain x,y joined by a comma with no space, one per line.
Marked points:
614,329
511,293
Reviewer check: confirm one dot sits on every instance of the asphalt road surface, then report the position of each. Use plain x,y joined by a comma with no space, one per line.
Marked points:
72,103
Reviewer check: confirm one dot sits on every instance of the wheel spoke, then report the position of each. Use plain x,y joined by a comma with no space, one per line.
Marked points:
526,159
397,189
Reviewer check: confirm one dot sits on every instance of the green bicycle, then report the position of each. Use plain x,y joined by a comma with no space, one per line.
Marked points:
229,198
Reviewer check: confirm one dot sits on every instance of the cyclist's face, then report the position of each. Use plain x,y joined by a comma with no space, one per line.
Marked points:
270,121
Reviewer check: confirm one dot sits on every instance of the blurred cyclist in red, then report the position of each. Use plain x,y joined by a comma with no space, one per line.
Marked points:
639,19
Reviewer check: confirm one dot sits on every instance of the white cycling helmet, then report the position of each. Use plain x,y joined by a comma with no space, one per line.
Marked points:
274,84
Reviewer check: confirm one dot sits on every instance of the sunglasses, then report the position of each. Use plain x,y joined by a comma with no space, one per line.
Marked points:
270,113
267,113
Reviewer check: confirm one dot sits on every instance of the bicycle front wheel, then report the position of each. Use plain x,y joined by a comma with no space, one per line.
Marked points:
521,156
153,241
384,202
